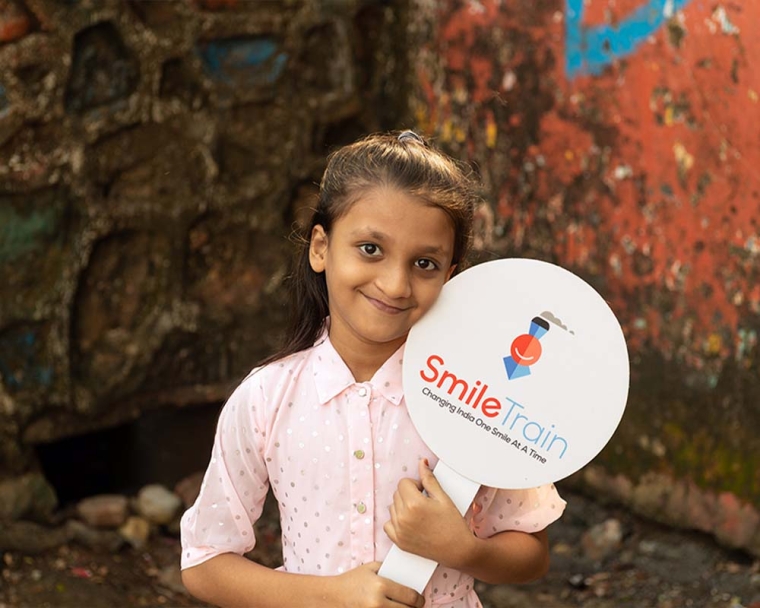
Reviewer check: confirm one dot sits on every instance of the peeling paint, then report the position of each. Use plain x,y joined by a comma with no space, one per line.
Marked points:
252,61
720,18
21,365
4,103
589,49
20,234
635,166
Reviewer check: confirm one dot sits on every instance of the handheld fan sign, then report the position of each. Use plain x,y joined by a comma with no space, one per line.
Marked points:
515,378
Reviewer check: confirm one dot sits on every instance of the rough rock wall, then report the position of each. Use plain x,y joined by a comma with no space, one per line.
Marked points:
153,158
620,140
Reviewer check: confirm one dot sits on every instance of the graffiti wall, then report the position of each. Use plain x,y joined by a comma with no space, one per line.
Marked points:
621,139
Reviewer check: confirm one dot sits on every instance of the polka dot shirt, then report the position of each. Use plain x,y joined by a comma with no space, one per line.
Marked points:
333,451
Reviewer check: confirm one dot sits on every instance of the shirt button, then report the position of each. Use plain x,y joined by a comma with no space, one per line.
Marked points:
361,508
362,391
359,454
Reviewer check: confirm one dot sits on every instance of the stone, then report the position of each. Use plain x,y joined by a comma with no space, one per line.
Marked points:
245,61
109,540
30,538
103,71
104,510
157,504
701,509
737,521
14,22
24,366
136,531
601,540
4,103
29,495
117,308
650,496
677,502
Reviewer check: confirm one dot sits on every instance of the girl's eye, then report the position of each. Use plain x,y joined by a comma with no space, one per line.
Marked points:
426,264
369,249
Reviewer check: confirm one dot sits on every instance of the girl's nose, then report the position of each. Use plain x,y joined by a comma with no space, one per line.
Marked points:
395,282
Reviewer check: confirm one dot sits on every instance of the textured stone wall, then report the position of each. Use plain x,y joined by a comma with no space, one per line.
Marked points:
620,140
153,159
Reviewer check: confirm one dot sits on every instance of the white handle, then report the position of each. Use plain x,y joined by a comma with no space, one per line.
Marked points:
415,571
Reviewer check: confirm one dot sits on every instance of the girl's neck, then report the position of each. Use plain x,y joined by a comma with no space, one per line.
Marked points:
364,360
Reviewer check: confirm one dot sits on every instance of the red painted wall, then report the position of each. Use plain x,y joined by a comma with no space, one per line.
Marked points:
643,176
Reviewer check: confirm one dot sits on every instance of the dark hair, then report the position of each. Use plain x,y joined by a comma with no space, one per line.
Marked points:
402,160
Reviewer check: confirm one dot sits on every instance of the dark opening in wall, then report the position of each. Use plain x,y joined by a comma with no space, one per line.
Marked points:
162,446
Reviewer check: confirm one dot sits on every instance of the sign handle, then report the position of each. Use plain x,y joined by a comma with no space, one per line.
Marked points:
412,570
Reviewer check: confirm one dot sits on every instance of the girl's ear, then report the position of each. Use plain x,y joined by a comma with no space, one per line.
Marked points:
451,271
318,249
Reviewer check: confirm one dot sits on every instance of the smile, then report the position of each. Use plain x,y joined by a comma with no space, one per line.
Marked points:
386,308
522,356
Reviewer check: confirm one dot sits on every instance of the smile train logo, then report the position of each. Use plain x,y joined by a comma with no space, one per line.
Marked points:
526,349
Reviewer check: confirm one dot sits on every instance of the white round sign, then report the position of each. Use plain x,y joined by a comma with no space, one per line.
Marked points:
518,375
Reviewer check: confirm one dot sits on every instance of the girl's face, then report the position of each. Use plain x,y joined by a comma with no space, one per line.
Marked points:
385,262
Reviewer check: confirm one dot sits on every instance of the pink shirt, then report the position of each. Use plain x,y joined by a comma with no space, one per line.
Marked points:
333,451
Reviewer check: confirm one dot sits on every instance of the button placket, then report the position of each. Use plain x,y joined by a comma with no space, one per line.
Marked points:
361,472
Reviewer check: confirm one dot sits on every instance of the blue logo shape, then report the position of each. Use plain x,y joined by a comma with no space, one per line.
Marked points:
526,349
588,50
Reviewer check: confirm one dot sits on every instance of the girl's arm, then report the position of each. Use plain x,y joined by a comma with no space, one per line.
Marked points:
230,580
431,526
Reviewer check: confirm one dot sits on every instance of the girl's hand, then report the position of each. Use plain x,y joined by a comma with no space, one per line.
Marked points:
429,525
363,588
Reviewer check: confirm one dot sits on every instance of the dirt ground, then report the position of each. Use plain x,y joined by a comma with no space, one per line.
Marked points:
653,567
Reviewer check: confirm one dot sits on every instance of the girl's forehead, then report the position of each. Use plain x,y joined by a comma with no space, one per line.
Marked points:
388,200
392,213
391,204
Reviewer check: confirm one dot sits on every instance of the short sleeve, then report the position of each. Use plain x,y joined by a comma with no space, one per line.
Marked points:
235,485
528,510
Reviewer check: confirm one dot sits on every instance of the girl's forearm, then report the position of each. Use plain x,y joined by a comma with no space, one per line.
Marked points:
232,581
505,558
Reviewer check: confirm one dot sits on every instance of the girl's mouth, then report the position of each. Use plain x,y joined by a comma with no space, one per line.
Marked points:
386,308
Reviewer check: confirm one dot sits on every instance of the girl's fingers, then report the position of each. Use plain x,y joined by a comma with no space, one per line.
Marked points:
429,482
409,488
397,594
389,527
403,595
400,496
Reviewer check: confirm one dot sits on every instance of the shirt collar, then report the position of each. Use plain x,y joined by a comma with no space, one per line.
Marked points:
332,376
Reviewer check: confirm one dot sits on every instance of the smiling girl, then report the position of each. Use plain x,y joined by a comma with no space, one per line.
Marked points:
324,422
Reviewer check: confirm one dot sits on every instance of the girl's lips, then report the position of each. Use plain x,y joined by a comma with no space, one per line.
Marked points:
387,308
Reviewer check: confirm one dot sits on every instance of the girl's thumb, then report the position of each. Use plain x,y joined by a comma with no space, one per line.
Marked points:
429,482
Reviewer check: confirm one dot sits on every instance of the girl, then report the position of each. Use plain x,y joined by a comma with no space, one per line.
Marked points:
324,422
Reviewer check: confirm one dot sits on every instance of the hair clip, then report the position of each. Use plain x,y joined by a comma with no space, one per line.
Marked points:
409,135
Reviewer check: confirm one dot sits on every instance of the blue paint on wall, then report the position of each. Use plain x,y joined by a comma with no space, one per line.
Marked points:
19,361
4,105
588,50
248,61
22,234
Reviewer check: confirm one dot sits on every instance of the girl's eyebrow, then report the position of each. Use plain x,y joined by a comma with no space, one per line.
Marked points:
369,233
433,249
